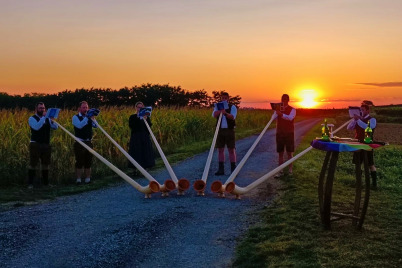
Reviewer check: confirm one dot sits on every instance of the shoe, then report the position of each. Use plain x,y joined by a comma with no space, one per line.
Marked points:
219,173
87,180
30,186
232,167
78,181
278,175
290,173
221,170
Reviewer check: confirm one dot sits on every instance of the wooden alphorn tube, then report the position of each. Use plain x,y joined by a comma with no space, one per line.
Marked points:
199,185
232,188
169,185
217,186
183,184
153,186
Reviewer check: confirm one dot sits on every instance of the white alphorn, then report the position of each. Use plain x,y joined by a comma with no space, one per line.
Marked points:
199,185
164,188
182,184
153,186
217,186
231,187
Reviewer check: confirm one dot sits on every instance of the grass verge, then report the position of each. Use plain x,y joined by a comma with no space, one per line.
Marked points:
290,233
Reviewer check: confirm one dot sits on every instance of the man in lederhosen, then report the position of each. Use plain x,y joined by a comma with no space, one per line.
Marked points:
359,124
39,147
285,132
226,134
83,131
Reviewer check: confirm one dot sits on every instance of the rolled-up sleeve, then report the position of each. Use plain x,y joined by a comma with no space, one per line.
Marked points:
373,123
36,125
79,124
290,116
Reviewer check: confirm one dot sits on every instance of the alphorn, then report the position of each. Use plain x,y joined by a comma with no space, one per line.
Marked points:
232,188
217,186
164,188
199,185
153,186
182,184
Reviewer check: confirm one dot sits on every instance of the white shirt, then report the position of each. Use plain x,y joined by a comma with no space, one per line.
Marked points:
224,122
36,125
360,123
288,117
80,124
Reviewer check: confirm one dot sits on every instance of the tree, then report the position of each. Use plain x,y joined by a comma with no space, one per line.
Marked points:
235,100
199,99
150,94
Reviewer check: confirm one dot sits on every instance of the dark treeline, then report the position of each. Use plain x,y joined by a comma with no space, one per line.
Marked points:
150,94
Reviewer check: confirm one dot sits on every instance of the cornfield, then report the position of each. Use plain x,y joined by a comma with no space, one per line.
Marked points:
172,127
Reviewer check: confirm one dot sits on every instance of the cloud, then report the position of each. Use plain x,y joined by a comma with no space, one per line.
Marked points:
386,84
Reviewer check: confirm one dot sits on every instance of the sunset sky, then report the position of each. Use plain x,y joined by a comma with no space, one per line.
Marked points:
338,52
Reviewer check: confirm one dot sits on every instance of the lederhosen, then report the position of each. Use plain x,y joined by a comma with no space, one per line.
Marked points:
359,135
226,136
285,133
39,148
83,158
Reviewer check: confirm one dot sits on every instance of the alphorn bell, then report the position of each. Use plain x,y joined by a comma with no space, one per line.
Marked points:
199,185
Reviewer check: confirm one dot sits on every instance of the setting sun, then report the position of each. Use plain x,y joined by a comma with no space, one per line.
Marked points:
308,98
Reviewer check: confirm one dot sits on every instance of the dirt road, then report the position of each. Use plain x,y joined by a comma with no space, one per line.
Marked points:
117,227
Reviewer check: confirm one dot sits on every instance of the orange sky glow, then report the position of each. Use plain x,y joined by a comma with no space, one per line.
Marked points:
337,52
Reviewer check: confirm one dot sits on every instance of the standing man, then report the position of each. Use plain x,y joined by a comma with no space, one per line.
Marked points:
359,124
285,132
39,148
226,134
83,131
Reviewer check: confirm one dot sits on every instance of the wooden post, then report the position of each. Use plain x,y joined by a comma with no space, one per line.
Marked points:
358,172
326,217
367,192
321,181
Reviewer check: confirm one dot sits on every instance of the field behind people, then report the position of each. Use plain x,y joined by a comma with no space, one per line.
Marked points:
180,132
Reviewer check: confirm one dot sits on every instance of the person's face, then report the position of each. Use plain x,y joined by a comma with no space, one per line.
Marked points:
139,106
285,100
40,110
364,111
83,109
225,98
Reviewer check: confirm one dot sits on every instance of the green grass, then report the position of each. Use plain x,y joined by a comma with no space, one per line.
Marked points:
291,234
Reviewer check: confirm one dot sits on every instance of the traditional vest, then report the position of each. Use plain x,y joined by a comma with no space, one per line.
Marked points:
360,131
231,122
41,135
284,126
84,133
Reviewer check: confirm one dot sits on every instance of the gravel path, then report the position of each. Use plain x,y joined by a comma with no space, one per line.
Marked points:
117,227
